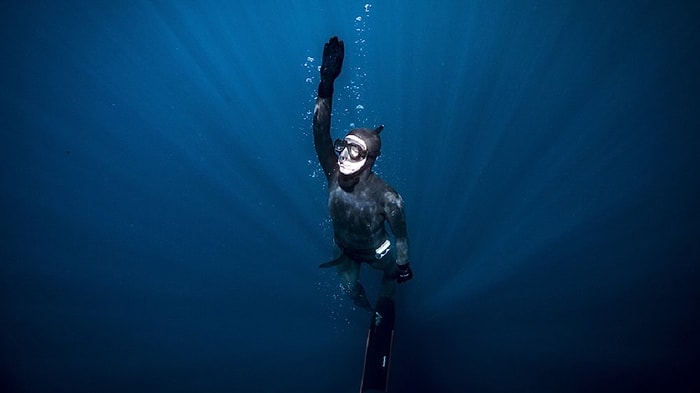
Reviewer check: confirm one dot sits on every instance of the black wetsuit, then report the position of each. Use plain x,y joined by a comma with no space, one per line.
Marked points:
359,210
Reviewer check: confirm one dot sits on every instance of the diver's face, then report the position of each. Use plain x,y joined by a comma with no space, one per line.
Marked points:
351,160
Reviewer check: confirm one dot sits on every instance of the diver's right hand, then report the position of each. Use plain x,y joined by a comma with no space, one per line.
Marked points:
333,54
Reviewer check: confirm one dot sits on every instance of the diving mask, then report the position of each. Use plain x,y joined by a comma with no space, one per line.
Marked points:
352,154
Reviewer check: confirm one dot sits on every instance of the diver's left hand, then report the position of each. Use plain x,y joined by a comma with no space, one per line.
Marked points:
403,273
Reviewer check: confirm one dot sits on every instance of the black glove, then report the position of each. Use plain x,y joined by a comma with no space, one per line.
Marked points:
403,273
333,53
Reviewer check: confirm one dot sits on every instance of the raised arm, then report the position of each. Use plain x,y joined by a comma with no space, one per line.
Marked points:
333,53
322,135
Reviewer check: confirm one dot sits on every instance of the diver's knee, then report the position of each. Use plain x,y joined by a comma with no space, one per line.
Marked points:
354,289
356,292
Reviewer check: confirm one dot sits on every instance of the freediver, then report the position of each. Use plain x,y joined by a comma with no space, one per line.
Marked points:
360,203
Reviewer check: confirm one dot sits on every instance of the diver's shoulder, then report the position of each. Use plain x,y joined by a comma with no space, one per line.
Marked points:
377,182
384,190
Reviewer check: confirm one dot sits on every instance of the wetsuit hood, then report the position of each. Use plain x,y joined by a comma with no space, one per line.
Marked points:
373,142
371,139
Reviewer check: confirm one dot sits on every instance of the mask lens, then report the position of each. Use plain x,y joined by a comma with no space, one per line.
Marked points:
355,152
339,145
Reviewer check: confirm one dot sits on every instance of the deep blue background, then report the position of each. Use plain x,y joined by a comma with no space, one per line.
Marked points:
163,214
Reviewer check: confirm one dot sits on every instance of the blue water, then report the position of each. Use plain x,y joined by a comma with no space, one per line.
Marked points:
163,214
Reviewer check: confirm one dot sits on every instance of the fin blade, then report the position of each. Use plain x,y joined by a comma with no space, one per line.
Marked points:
332,263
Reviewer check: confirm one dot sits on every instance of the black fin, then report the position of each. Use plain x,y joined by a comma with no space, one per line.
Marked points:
332,263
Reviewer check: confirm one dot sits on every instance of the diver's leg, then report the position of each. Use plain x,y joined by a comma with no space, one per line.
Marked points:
349,273
388,286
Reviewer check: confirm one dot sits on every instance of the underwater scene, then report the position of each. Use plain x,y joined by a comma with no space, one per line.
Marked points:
165,214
